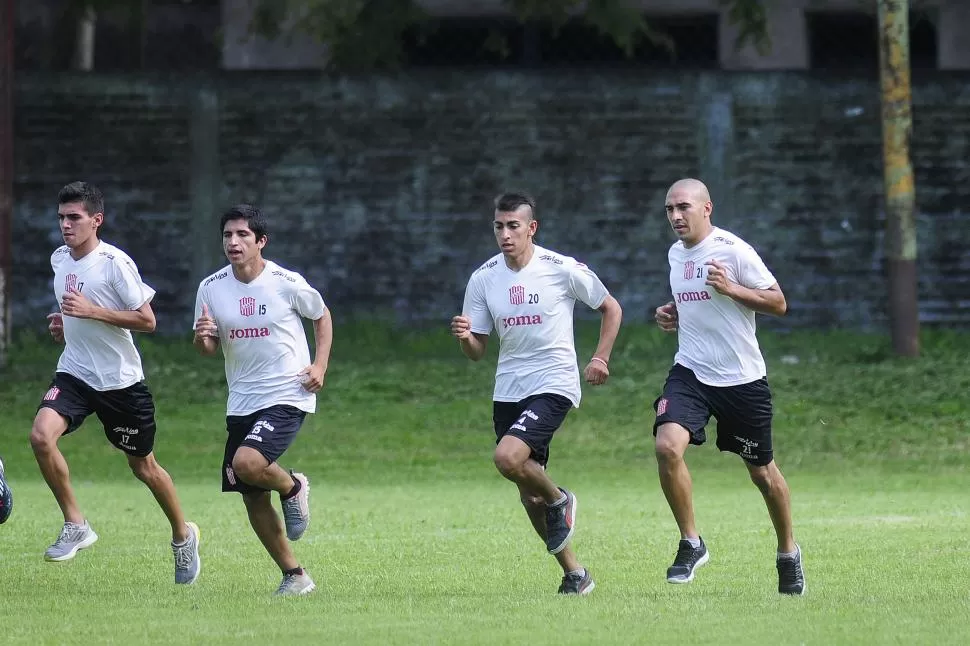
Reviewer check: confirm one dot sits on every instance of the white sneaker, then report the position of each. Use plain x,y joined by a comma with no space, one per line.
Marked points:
73,537
296,584
187,561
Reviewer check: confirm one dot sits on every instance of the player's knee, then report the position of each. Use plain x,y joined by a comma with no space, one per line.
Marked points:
669,446
43,438
248,464
507,462
142,468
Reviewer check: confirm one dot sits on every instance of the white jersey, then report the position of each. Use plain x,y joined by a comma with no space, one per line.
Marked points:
101,355
716,334
262,336
532,310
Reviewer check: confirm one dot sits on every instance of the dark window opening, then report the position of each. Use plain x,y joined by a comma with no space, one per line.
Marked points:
850,40
683,41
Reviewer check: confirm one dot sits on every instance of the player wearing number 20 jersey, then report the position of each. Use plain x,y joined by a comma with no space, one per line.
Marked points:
526,295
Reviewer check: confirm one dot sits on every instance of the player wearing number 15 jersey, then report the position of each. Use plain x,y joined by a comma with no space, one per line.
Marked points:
254,310
526,295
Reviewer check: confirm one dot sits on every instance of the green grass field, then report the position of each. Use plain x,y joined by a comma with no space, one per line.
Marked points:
415,539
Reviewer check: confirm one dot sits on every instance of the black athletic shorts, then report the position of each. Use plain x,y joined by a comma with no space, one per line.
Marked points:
743,413
127,414
533,420
270,431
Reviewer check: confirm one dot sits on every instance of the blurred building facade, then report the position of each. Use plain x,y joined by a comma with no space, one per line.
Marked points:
209,34
805,34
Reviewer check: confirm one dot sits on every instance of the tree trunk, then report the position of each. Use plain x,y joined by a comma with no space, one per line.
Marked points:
6,170
897,128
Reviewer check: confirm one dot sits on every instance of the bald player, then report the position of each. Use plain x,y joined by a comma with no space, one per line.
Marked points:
719,283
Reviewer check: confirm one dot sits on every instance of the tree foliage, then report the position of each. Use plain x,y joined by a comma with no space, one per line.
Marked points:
368,34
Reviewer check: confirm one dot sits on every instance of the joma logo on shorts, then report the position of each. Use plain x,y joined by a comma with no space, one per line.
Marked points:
248,332
693,297
514,321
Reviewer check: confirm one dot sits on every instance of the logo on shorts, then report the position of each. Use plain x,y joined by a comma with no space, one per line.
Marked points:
52,394
517,294
126,434
254,432
747,448
688,270
231,476
661,406
247,306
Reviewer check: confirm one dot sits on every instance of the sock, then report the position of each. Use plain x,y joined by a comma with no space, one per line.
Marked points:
695,541
788,555
581,572
561,501
297,571
292,492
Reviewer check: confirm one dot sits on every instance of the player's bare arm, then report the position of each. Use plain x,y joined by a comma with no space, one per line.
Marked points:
666,317
80,306
764,301
206,338
316,372
56,326
472,345
597,371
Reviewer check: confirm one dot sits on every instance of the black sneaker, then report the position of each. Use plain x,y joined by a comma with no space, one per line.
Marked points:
576,584
687,560
559,523
791,577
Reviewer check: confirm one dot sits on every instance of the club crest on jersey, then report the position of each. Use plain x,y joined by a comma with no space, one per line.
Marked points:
688,270
516,294
247,306
71,284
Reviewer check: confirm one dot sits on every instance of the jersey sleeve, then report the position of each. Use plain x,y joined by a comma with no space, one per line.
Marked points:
127,282
585,286
475,307
307,301
752,271
199,299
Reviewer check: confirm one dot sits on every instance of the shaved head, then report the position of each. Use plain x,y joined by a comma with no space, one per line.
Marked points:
689,209
694,187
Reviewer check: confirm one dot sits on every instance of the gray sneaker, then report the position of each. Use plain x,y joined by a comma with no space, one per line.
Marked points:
296,510
187,561
296,584
73,537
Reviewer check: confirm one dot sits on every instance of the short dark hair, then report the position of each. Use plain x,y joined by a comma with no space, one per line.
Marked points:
86,194
508,202
253,217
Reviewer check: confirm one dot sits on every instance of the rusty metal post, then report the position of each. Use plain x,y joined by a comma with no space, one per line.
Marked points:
897,129
6,170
